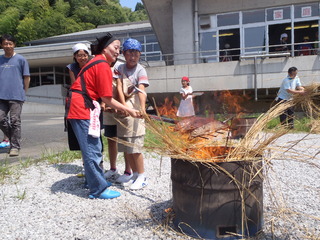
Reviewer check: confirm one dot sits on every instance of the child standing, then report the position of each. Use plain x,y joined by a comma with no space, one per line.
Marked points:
186,108
132,82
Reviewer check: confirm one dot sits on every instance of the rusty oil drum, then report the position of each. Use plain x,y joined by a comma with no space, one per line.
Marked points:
240,126
207,204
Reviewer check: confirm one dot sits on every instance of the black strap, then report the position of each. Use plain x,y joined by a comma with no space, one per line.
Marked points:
87,99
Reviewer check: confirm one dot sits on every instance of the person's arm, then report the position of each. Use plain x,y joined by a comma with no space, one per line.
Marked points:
120,92
117,105
298,90
142,98
72,77
26,80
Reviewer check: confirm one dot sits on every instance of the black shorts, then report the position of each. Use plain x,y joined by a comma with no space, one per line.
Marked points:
110,131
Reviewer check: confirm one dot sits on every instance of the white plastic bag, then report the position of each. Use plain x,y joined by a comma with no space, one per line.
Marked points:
94,127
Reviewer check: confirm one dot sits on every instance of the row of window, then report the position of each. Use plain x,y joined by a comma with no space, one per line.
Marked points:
258,31
60,75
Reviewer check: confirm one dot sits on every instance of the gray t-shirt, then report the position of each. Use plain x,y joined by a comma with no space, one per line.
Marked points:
12,71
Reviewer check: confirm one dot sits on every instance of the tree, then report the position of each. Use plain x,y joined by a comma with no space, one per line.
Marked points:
139,7
9,21
27,30
32,19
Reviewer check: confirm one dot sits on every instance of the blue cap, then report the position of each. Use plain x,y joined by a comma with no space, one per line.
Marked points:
133,44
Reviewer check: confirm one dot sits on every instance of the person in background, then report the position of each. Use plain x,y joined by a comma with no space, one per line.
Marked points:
186,108
304,48
14,81
226,54
284,46
80,58
95,82
132,84
290,85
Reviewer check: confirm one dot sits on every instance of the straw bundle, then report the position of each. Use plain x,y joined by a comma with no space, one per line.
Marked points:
310,100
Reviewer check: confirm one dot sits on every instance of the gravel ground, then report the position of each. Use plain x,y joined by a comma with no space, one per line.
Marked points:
49,202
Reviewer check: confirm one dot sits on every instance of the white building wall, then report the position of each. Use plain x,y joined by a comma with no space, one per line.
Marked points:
183,31
222,6
236,75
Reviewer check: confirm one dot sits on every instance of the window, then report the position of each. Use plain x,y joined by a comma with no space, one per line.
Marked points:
59,79
253,16
254,39
229,40
228,19
34,80
208,46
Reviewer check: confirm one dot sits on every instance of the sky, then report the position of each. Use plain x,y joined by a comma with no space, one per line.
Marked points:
129,3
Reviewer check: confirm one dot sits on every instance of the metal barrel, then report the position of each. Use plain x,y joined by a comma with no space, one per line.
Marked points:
240,126
209,204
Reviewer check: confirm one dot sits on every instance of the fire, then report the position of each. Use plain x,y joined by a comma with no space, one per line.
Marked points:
168,109
232,103
214,152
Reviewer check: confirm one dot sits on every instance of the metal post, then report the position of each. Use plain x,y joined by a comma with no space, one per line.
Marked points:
255,80
255,67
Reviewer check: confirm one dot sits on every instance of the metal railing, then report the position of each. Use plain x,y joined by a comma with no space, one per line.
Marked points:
255,57
236,54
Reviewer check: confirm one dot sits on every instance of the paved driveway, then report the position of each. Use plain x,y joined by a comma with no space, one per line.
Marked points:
40,133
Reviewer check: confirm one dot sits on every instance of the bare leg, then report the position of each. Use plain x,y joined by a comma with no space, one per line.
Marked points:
130,163
113,153
139,163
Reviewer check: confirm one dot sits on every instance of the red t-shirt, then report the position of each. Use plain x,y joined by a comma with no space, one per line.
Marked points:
98,81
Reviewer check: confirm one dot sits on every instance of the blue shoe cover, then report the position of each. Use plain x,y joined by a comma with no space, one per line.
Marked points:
107,194
109,184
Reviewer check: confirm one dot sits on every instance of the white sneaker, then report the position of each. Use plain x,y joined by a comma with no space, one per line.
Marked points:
139,183
124,178
129,183
133,178
110,173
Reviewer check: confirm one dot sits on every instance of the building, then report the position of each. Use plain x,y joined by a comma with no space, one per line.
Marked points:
195,31
221,45
48,57
193,34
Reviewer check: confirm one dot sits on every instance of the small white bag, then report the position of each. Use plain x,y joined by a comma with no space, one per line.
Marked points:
94,127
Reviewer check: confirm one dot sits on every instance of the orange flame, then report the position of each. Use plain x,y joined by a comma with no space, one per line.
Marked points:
168,109
232,103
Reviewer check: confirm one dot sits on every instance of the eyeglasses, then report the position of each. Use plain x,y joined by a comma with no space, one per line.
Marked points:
82,55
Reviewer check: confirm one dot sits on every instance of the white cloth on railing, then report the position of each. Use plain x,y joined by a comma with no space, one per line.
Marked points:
94,127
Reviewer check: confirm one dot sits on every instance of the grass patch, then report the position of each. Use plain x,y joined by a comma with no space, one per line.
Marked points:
301,124
5,171
14,170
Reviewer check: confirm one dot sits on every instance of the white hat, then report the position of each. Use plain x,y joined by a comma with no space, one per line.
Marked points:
283,35
80,46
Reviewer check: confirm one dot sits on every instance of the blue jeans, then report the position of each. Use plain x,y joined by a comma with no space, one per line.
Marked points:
11,129
91,155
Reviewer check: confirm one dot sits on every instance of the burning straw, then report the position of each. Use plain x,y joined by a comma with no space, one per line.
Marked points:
178,144
256,146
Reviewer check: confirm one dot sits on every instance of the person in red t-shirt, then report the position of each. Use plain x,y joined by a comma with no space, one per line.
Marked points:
95,83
